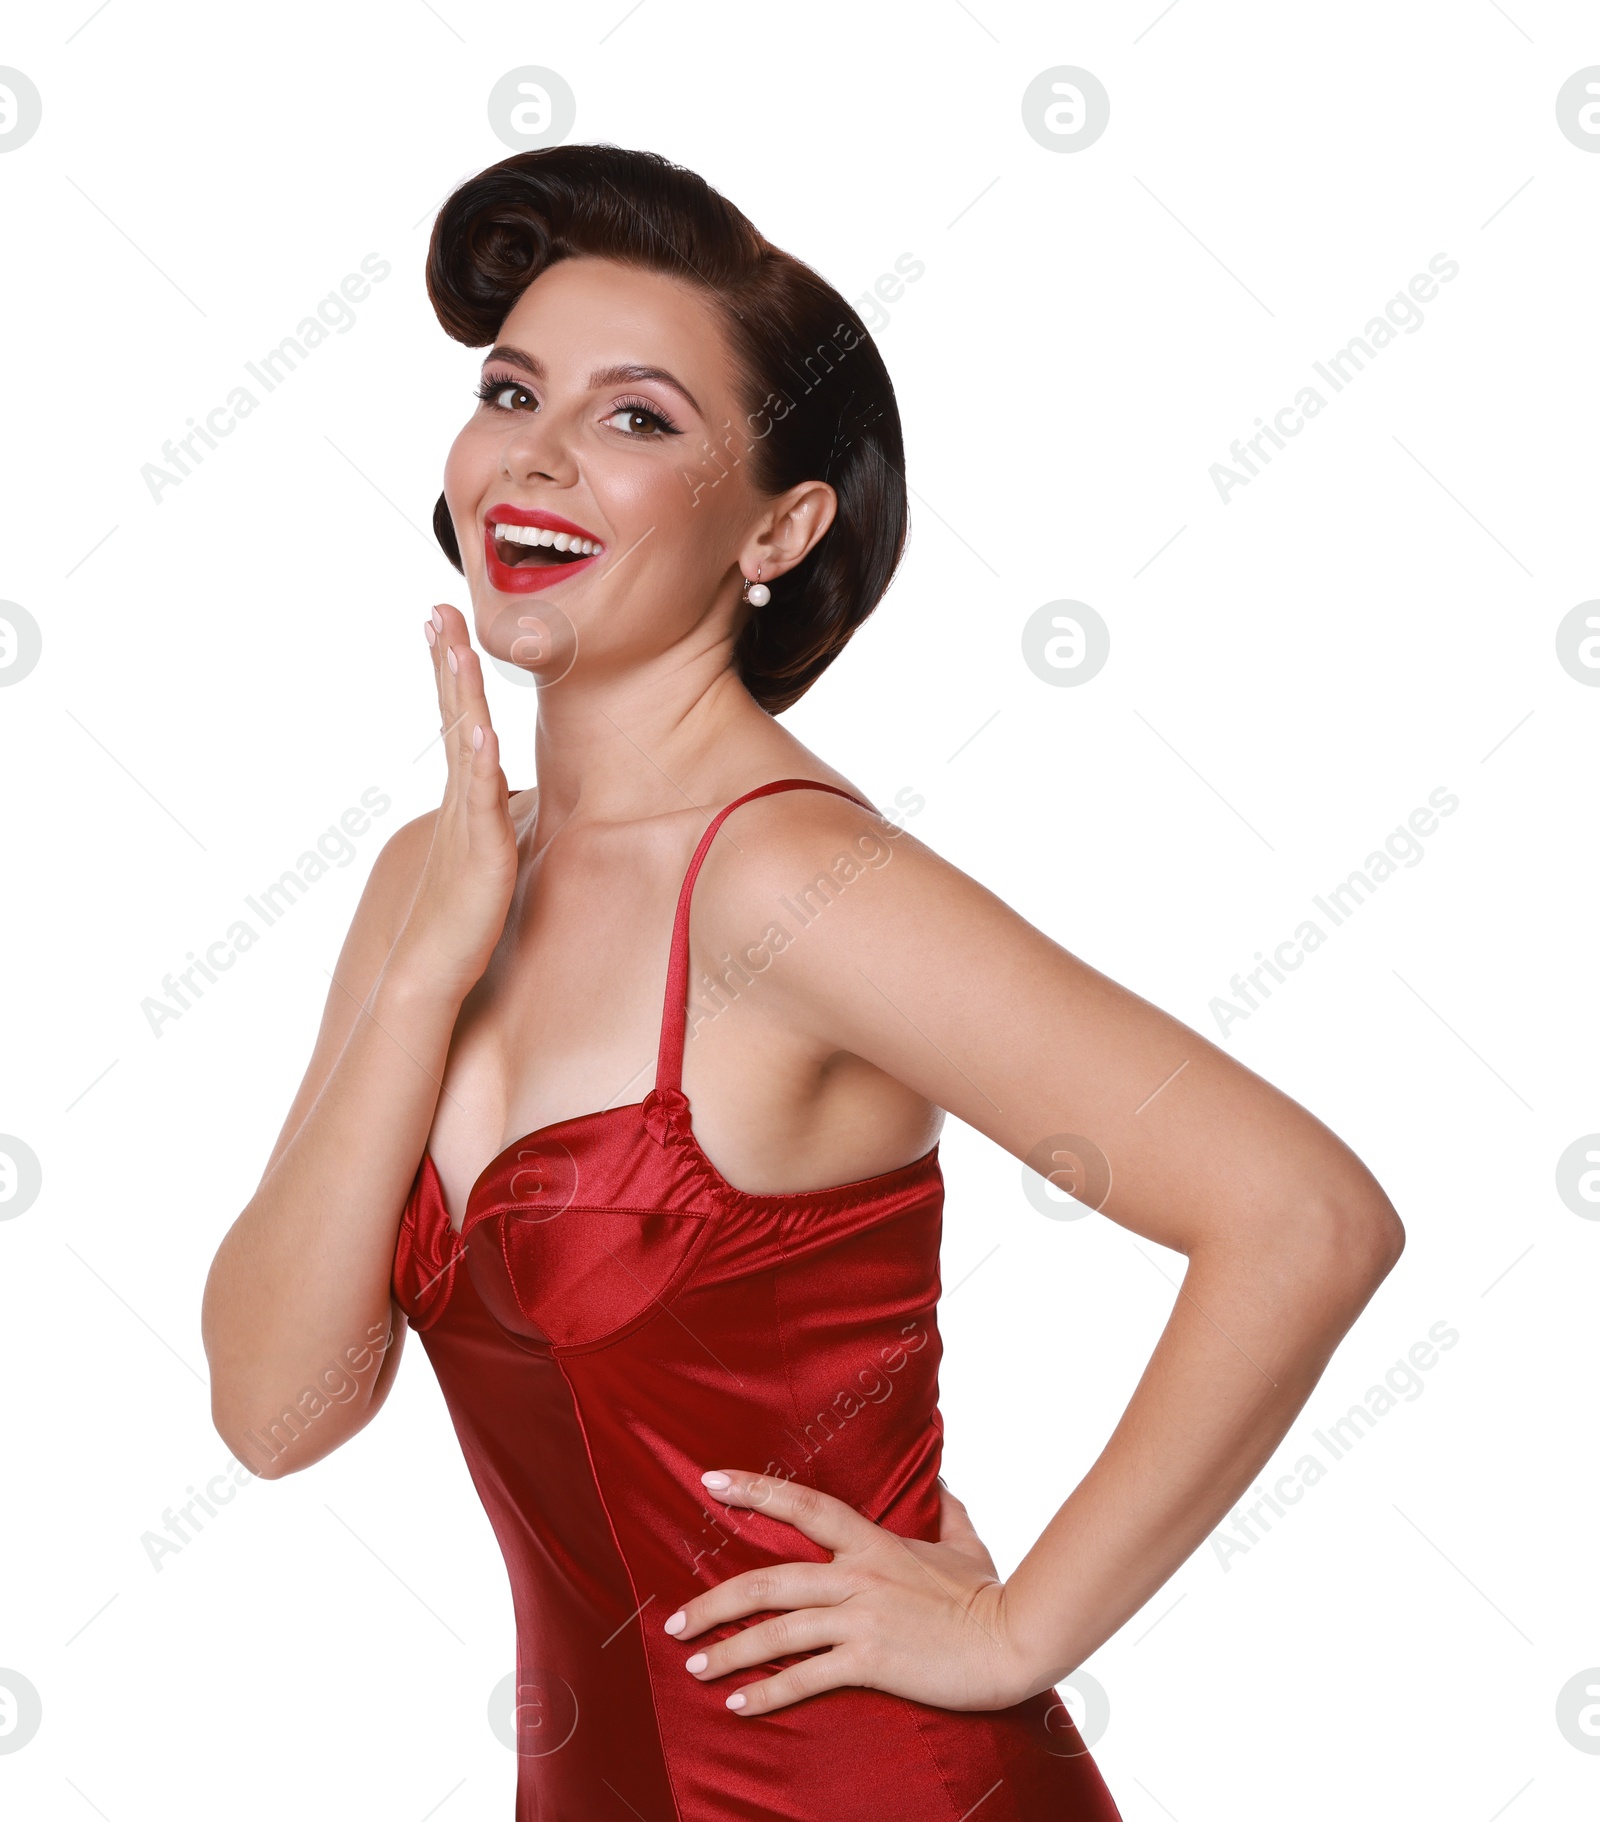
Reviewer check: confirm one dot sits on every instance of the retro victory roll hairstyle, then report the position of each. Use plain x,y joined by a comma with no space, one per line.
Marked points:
818,401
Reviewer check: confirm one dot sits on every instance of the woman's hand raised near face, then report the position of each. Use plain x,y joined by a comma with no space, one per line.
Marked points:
465,890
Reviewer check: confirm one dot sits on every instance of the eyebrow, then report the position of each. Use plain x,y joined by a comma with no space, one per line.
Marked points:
602,376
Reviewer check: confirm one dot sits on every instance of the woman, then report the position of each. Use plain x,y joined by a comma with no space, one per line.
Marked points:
693,1361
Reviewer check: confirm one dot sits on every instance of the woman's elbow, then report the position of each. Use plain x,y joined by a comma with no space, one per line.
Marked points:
1355,1243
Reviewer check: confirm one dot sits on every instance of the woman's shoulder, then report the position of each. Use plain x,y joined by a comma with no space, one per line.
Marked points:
781,825
399,863
392,883
794,852
407,848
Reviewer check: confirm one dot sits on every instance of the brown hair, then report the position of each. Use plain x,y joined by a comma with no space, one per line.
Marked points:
819,404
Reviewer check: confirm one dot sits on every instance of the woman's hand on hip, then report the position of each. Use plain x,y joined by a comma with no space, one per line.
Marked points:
459,910
922,1620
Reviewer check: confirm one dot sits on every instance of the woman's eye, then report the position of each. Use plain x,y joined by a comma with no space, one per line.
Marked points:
506,395
636,421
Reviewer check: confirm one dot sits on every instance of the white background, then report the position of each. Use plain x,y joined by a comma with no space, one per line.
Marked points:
1372,617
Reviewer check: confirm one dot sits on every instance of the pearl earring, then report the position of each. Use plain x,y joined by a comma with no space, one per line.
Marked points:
757,593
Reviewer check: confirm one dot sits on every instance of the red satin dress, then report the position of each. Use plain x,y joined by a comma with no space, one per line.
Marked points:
614,1318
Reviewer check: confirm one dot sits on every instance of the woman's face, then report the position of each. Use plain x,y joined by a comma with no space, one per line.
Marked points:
602,401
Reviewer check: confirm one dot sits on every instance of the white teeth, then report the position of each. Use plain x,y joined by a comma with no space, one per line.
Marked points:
534,535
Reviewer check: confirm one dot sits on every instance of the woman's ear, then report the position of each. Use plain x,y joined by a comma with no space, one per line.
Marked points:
791,529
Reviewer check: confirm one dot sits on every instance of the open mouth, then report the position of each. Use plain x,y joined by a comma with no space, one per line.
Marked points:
520,545
526,550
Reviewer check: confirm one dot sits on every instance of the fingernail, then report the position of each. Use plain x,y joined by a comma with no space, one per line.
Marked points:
736,1700
438,618
676,1623
714,1477
697,1662
450,656
477,740
428,632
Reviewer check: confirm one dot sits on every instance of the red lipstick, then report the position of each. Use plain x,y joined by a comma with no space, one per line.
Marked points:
547,565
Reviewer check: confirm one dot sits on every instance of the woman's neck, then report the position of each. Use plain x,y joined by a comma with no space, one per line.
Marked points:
647,743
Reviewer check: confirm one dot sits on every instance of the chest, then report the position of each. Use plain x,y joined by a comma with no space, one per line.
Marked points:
568,1011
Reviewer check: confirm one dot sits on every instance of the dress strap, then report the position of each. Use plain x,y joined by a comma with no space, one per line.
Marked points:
674,1016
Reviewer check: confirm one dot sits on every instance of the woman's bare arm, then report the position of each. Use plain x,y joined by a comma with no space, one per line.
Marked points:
296,1316
927,975
297,1319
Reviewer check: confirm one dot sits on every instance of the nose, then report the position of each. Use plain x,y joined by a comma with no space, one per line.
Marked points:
538,447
